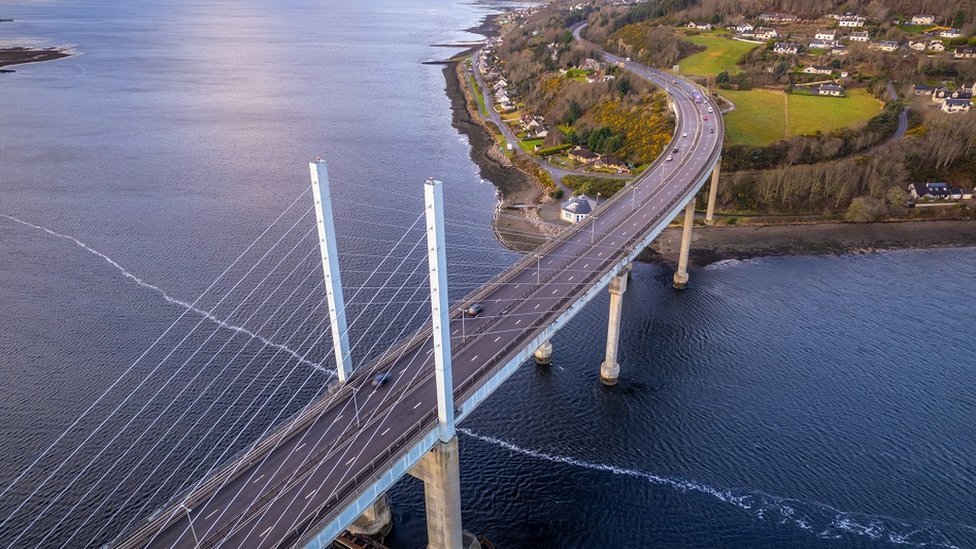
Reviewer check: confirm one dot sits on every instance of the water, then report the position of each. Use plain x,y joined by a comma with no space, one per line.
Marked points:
780,402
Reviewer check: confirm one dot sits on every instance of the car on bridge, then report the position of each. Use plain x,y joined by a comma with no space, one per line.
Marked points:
380,379
475,309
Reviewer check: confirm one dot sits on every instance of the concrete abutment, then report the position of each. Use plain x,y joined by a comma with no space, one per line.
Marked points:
610,368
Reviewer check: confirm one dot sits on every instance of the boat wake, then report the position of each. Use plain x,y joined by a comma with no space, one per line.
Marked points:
819,519
222,323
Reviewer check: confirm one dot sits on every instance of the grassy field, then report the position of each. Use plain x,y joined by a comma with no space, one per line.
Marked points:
764,116
721,54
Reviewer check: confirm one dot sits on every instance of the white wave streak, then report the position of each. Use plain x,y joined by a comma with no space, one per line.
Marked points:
819,519
222,323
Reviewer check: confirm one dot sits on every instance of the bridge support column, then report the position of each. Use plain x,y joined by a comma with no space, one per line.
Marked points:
376,521
681,276
713,194
610,369
440,471
543,355
330,267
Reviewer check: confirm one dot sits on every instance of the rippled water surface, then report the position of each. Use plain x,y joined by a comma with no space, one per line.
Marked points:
822,402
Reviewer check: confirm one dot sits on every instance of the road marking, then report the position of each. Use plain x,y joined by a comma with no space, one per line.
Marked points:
265,533
212,513
585,266
430,351
300,446
352,459
599,254
571,278
340,417
554,291
516,286
518,321
455,332
257,479
497,338
475,357
417,404
536,305
310,494
386,431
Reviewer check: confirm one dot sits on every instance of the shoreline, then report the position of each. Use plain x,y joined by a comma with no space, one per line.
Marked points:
709,244
10,57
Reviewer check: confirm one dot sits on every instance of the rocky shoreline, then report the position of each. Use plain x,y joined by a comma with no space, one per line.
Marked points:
23,56
518,230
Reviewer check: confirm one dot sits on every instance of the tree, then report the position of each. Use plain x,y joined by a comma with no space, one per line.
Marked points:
624,85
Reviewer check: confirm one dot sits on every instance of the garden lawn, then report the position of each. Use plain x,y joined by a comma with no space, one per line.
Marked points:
721,54
765,116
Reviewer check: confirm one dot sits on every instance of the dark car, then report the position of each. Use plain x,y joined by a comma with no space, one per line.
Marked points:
675,151
711,130
475,309
380,379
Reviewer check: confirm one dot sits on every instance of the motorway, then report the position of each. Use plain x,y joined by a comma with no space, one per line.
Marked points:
301,476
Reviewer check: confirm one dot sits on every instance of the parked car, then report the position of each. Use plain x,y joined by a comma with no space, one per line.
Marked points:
669,158
380,379
474,309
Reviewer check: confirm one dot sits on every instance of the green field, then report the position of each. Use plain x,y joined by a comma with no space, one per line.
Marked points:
764,116
721,54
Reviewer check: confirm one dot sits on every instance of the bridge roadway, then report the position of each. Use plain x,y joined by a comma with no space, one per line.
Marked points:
310,471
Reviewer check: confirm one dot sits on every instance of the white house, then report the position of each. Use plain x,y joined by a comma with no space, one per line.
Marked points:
954,105
951,33
577,209
765,33
932,191
775,18
699,26
965,53
852,21
818,69
936,45
917,45
827,35
786,48
823,45
744,29
833,90
860,36
923,20
885,45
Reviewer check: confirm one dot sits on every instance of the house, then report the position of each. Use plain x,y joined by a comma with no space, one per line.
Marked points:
818,69
590,64
582,155
832,90
825,36
919,90
840,49
765,33
699,26
885,45
965,53
953,105
917,45
930,191
936,45
822,45
852,21
859,36
923,20
951,33
501,83
786,48
612,163
942,95
778,18
970,89
577,209
744,29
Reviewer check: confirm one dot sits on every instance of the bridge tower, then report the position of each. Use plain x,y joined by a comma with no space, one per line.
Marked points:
330,266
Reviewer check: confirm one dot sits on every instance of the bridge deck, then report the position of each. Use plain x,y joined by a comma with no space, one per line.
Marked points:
306,473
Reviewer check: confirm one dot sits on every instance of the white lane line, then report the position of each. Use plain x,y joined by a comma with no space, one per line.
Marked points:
417,404
352,459
310,494
518,321
586,266
454,333
257,479
475,357
497,338
536,306
554,291
599,254
516,286
571,278
212,513
300,446
385,431
265,533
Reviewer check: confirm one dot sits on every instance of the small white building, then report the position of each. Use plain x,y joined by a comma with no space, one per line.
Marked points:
818,69
917,45
825,36
577,209
953,105
852,21
951,33
936,45
860,36
923,20
766,33
885,45
786,48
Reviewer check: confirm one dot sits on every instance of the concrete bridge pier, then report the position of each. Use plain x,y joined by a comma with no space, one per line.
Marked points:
681,276
610,369
713,194
543,355
376,521
440,471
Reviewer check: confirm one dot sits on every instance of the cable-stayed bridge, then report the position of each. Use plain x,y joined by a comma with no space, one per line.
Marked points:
304,481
